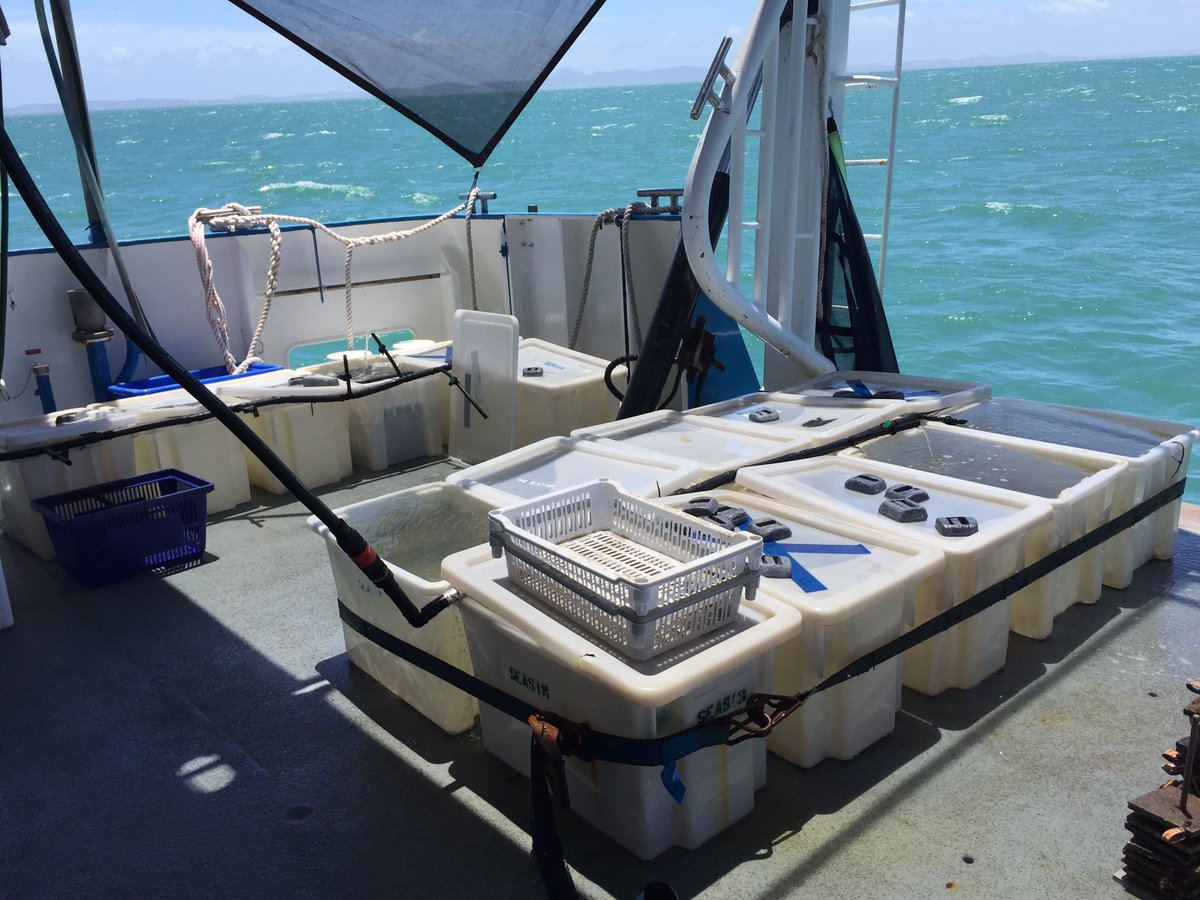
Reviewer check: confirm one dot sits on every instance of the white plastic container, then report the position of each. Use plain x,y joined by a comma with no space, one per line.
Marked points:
815,420
851,603
560,462
634,574
1157,454
40,476
921,393
1079,485
206,449
392,426
715,444
519,648
411,530
312,439
972,650
420,356
559,390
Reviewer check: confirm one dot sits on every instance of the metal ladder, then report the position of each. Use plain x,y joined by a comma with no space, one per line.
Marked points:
866,82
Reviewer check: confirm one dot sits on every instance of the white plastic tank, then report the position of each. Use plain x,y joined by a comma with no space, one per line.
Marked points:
814,419
1157,453
853,586
559,462
206,449
1007,526
559,390
919,392
411,530
420,355
519,648
715,444
313,440
42,475
390,427
1080,485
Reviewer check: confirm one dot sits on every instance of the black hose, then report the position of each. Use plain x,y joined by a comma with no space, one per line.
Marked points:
612,367
351,542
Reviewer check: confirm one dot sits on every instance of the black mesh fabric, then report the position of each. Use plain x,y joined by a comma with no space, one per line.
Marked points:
462,69
851,325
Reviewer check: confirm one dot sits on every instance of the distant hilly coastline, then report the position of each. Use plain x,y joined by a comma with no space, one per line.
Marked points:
567,79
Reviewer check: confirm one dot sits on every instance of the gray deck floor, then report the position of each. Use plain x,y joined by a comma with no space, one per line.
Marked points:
203,735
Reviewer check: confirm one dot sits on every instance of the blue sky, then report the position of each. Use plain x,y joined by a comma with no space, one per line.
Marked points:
208,49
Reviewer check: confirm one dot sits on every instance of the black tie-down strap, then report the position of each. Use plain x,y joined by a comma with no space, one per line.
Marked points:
555,737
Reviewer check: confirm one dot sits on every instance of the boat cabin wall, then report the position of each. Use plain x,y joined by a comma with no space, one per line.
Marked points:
532,266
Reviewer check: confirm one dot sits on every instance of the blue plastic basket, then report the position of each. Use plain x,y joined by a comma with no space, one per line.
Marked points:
160,383
111,531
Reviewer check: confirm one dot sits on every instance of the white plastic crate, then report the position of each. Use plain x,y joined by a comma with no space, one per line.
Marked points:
313,440
1157,454
813,419
38,476
392,426
560,462
639,577
411,530
517,645
1080,486
852,586
921,393
715,444
206,449
566,391
972,650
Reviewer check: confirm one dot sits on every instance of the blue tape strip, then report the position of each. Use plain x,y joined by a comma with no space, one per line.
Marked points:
849,549
672,782
859,388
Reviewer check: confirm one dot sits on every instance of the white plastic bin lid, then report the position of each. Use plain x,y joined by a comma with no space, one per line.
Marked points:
762,625
1070,426
998,461
921,393
422,354
715,445
817,419
820,484
558,462
560,367
61,425
838,568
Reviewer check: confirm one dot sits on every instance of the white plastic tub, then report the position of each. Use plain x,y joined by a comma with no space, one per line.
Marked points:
206,449
519,648
411,530
312,439
814,420
1079,485
392,426
559,390
1157,454
560,462
715,444
851,603
972,650
420,356
40,476
921,393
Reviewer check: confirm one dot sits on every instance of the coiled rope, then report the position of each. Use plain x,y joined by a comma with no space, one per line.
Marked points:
235,216
622,217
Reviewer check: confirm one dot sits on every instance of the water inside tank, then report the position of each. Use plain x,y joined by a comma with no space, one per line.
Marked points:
416,530
970,457
1065,427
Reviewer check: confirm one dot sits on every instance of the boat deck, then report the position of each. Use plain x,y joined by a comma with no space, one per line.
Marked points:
201,734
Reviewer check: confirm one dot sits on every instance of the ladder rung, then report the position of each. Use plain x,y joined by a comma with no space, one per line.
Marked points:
872,4
867,81
866,162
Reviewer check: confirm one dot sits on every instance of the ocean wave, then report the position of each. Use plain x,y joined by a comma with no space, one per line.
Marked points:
963,101
347,190
993,117
422,199
997,206
275,135
322,131
127,141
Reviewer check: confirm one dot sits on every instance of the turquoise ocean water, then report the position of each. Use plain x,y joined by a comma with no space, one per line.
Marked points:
1044,224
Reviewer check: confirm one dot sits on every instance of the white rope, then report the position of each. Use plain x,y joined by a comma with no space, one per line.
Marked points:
472,195
240,217
623,217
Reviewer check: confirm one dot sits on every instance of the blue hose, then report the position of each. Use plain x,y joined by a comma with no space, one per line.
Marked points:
133,356
97,353
44,390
